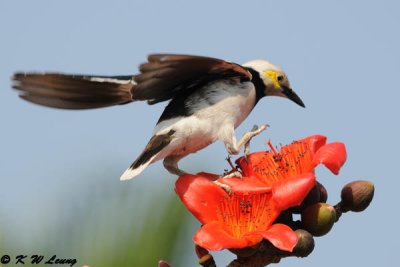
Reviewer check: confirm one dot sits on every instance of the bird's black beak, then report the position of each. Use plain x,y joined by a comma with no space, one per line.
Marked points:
289,93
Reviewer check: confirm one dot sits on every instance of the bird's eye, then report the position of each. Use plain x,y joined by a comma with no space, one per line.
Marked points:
280,78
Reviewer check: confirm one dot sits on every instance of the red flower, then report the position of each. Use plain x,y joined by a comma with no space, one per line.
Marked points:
297,158
245,216
272,182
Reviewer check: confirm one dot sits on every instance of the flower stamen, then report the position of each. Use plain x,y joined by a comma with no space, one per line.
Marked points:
271,147
243,213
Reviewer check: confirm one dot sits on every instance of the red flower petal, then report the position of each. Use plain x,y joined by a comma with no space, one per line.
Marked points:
281,236
291,192
298,155
212,236
314,142
209,176
332,155
247,166
200,195
245,185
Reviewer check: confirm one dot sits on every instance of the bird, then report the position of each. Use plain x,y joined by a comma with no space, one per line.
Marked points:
208,98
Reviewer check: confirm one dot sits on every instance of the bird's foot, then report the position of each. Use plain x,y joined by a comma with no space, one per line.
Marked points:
227,188
245,141
234,172
247,144
228,159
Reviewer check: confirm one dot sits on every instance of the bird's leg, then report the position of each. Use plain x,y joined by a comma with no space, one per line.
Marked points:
228,159
171,164
234,147
245,141
247,144
234,172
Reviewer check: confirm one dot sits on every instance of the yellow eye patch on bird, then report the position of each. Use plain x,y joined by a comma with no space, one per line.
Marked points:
274,77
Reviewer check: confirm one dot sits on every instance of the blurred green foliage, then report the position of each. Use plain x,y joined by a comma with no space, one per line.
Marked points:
156,239
104,224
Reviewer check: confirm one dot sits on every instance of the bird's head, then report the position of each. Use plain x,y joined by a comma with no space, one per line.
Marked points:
274,80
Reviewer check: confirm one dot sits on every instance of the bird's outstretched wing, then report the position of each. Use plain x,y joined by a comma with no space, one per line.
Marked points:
73,91
160,79
165,75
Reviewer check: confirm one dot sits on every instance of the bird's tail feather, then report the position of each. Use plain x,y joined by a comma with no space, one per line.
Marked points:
156,144
73,91
132,172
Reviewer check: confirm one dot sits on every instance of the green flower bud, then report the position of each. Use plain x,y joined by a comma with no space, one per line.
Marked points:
357,195
318,219
305,244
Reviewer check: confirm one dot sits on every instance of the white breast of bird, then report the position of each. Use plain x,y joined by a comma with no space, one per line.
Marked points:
217,108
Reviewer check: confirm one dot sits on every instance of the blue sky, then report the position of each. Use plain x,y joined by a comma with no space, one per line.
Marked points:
341,58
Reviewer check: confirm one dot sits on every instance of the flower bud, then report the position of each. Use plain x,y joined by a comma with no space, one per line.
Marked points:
245,252
357,195
205,259
323,194
286,217
200,252
312,198
163,264
318,219
305,243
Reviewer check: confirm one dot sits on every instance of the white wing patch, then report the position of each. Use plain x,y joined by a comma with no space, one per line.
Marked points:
111,80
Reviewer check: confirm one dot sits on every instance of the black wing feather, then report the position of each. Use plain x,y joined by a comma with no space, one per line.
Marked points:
163,77
73,91
166,75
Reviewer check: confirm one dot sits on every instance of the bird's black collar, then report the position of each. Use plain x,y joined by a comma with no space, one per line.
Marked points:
258,84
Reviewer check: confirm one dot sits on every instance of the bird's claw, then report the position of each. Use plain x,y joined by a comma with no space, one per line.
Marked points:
255,127
262,128
227,188
232,174
255,131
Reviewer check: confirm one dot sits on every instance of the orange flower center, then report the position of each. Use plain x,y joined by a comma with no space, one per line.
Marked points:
290,161
243,213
